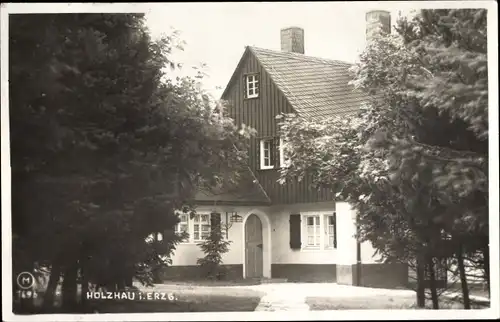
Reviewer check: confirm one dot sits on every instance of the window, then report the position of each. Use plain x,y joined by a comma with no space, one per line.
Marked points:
319,231
198,227
330,230
182,226
265,154
252,86
313,231
284,162
201,227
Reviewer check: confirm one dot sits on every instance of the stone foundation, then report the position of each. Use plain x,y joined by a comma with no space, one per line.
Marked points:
372,275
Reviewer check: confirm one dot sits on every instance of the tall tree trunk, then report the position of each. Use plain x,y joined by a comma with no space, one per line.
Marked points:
55,276
69,288
463,278
420,283
432,284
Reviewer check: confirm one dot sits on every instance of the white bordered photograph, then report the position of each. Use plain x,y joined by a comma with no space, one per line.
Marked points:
249,161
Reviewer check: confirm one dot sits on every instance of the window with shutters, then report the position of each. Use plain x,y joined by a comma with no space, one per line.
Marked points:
197,227
319,231
252,86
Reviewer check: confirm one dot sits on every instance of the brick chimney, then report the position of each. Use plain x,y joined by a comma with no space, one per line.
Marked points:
377,22
292,40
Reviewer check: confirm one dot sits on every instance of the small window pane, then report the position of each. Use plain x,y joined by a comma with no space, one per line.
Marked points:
204,218
310,221
196,235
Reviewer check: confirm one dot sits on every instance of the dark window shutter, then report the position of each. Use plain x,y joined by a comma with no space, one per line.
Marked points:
215,220
295,238
334,229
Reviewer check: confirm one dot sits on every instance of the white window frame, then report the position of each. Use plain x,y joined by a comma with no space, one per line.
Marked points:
197,222
326,230
191,224
263,158
184,221
323,231
317,229
284,162
252,86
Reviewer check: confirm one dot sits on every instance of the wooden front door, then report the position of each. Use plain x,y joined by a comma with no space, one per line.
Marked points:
253,247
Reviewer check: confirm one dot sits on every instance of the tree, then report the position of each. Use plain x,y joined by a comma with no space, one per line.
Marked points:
214,246
413,161
105,148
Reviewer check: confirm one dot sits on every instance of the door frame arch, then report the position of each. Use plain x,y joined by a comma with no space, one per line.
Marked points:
266,242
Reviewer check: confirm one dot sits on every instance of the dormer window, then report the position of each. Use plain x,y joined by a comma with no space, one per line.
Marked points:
252,86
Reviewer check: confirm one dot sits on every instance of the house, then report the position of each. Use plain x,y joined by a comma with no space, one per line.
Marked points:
287,231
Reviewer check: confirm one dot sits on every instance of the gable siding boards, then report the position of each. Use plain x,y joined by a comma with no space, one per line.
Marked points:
260,114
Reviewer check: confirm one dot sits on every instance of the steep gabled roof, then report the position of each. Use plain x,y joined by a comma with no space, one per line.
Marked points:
315,87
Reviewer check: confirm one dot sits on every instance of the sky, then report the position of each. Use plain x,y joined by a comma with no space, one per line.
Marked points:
216,33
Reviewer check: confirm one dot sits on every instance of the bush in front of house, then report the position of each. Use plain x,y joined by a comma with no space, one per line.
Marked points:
214,246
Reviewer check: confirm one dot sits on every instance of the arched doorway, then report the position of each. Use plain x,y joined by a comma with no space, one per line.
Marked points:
253,247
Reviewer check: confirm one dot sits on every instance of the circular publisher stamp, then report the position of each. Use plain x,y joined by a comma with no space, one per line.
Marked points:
25,280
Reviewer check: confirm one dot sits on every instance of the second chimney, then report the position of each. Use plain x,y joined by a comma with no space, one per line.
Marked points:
292,40
377,22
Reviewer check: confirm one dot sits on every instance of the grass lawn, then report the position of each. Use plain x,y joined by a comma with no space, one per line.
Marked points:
382,302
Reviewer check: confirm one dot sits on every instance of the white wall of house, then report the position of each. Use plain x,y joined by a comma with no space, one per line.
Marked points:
187,253
347,245
276,237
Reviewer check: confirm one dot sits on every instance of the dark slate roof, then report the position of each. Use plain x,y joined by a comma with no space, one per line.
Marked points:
247,191
315,87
